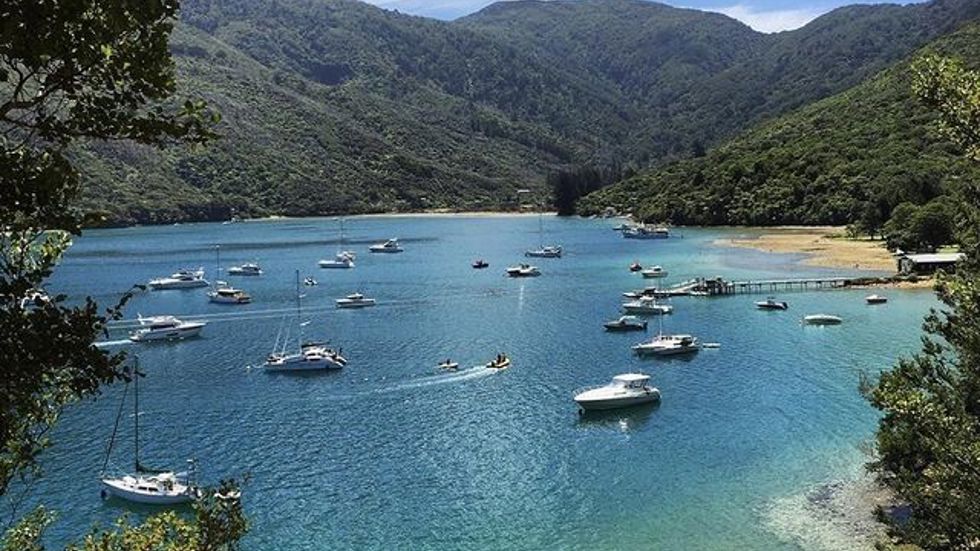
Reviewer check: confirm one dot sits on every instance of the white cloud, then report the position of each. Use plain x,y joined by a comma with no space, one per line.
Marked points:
771,21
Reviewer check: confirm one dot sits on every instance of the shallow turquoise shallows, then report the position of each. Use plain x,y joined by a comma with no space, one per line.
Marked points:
391,454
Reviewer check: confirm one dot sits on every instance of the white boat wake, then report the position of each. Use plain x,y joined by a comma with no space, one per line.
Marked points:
107,344
476,372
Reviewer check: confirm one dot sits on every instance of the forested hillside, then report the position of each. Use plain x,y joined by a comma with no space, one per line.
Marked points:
851,158
337,106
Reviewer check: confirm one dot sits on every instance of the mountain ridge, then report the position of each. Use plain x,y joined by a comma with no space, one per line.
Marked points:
335,106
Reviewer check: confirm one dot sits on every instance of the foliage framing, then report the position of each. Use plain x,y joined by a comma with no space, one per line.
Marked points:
73,70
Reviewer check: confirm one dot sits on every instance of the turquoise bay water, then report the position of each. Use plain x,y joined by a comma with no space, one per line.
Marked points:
390,454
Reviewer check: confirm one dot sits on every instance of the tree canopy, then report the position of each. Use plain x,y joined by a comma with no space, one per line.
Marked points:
92,70
928,439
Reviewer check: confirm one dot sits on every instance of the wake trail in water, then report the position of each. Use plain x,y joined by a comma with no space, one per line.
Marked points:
107,344
476,372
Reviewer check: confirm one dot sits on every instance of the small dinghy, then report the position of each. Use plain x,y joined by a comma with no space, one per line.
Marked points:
822,319
635,267
771,304
449,365
500,362
875,299
480,264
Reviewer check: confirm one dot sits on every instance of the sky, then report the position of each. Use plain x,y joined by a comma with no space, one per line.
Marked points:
762,15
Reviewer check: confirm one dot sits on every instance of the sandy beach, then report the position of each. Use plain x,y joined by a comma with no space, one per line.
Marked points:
825,246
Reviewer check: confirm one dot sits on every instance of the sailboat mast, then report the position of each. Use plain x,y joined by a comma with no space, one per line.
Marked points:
299,310
217,265
136,414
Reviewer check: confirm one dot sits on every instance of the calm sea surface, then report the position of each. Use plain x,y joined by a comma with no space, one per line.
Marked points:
391,454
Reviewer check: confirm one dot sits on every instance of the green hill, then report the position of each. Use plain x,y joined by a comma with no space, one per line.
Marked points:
336,106
871,147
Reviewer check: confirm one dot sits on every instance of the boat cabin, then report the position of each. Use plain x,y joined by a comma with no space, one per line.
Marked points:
631,380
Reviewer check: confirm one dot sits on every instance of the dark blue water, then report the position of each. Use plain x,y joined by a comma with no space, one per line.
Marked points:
391,454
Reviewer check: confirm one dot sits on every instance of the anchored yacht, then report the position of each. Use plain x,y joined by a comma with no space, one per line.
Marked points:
647,305
355,300
628,389
247,269
668,345
181,279
389,246
164,328
523,270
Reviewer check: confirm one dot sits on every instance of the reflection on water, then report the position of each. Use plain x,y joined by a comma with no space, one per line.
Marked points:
623,420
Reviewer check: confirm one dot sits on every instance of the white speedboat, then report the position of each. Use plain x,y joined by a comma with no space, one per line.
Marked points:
166,488
626,323
628,389
655,271
389,246
771,304
523,270
181,279
549,251
247,269
165,328
668,345
225,294
822,319
647,306
875,299
355,300
341,260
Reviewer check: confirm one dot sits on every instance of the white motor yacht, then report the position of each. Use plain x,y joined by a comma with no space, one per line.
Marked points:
653,272
247,269
340,261
355,300
389,246
628,389
164,328
225,294
668,345
523,270
181,279
647,305
549,251
822,319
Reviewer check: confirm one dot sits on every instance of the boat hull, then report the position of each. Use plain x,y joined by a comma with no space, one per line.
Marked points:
169,335
603,404
622,328
335,265
165,285
353,305
119,489
302,365
645,351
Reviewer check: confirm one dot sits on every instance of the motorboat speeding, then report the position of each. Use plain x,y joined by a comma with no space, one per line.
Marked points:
165,328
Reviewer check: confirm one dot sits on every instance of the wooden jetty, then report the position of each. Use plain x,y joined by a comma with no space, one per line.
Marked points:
719,286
